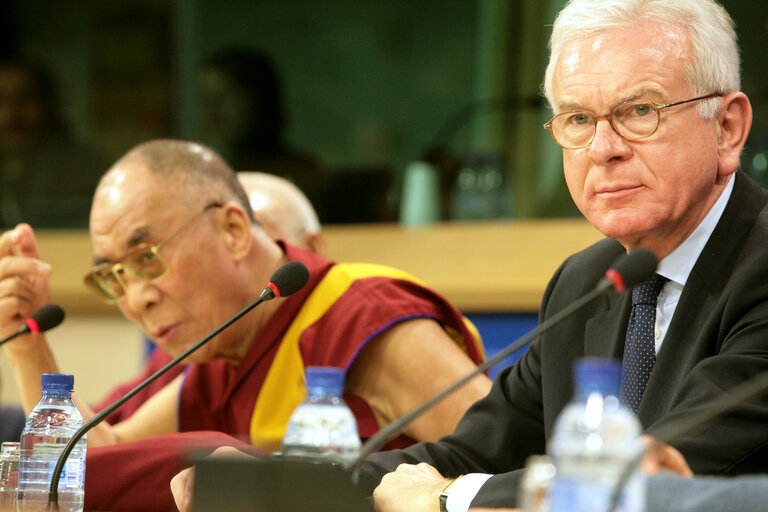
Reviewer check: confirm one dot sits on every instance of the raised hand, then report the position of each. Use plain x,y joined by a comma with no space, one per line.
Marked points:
23,278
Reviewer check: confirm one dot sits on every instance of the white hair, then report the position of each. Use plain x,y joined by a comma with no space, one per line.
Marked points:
714,66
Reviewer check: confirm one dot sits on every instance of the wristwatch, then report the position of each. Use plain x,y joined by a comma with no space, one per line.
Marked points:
443,496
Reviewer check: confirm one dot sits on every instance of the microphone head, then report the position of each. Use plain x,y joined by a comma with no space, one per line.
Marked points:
632,268
45,318
288,279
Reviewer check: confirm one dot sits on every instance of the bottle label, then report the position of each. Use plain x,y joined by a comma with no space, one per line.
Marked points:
72,474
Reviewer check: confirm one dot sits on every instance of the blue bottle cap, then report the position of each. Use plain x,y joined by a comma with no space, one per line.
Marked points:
57,381
326,377
596,374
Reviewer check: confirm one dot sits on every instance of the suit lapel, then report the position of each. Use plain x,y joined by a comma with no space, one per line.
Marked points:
682,349
605,332
684,346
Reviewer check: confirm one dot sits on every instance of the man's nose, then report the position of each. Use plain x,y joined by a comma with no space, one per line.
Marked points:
607,145
139,294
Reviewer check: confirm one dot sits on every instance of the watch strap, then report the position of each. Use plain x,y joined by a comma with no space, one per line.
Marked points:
443,496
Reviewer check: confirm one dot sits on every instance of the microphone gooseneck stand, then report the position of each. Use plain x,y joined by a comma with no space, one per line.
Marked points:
53,495
387,433
42,320
628,270
285,281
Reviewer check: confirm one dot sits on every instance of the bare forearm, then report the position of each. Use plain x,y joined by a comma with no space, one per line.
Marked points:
28,364
102,434
391,375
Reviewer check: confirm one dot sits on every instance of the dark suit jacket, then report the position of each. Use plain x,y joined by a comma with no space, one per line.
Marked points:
717,339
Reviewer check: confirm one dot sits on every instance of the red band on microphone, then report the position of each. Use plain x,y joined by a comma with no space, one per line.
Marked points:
33,327
615,278
274,288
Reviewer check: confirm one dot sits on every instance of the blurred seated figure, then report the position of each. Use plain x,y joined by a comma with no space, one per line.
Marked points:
283,210
244,118
47,176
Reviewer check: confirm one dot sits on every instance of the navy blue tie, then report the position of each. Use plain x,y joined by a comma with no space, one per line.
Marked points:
640,347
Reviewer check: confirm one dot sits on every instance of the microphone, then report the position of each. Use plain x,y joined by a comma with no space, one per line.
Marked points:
42,320
287,280
627,271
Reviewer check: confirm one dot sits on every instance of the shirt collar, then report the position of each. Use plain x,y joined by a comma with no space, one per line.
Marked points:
677,265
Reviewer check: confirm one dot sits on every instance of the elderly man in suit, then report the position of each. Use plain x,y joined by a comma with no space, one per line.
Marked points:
652,123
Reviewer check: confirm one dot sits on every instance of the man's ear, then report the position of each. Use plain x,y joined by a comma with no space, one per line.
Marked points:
236,226
734,121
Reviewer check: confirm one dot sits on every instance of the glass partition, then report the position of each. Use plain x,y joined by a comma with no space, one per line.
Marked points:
380,111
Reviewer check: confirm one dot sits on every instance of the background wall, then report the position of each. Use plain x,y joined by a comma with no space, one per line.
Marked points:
365,82
368,85
101,350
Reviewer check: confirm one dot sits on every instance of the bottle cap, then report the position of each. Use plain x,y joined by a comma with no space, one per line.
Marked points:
10,446
57,381
596,374
326,377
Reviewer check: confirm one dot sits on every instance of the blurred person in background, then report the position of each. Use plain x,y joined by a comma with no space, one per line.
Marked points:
244,117
283,210
47,177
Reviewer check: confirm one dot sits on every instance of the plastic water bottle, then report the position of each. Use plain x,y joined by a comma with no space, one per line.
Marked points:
322,428
9,475
49,427
594,438
534,486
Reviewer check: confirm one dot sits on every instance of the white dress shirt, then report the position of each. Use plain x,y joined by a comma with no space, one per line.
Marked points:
676,267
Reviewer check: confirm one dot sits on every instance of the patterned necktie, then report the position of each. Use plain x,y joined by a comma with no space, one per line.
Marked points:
640,347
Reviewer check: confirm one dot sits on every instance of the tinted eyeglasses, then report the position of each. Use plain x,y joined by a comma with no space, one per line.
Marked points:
143,262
